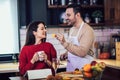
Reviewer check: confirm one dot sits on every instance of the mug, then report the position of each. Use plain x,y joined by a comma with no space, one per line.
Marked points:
40,55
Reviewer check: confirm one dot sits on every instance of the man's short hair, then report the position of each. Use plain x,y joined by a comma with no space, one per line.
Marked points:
76,8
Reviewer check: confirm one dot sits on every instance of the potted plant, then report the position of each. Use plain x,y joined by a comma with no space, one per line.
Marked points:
97,15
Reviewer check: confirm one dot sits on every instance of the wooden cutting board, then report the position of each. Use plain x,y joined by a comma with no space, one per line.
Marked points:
71,76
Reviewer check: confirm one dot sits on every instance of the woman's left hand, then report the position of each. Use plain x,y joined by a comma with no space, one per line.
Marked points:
44,56
45,59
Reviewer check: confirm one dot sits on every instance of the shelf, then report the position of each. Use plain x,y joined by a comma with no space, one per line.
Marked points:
55,12
96,24
91,24
92,6
84,6
63,24
56,6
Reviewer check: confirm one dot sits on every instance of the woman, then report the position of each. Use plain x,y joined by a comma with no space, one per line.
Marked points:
29,58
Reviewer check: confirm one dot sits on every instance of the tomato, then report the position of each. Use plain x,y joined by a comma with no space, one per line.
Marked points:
104,55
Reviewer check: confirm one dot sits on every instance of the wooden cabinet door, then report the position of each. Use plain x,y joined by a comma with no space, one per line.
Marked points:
111,74
112,12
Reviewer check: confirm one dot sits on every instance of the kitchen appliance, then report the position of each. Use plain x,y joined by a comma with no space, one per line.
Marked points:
113,39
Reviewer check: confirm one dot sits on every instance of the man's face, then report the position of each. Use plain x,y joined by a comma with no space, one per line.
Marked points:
70,16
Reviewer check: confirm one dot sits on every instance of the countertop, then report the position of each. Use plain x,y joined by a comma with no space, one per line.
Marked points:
9,67
13,67
110,63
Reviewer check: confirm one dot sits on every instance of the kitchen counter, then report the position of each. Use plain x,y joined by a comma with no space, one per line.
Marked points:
110,63
13,67
8,67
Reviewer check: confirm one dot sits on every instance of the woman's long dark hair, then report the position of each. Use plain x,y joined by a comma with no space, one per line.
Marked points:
30,38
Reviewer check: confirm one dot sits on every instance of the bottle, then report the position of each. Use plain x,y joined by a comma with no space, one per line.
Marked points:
91,2
55,2
14,58
113,53
94,1
70,2
85,2
87,19
78,2
51,2
48,2
63,2
98,50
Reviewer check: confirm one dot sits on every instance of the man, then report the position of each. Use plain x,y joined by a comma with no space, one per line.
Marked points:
81,39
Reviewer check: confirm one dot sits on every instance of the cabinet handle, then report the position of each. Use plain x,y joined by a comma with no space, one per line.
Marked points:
112,13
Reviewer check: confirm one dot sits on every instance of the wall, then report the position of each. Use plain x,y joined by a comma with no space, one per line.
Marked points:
102,36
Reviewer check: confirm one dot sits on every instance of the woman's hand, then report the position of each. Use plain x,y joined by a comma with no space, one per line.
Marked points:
35,58
48,62
39,57
44,56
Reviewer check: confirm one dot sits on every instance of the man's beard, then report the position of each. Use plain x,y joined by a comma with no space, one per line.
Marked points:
69,23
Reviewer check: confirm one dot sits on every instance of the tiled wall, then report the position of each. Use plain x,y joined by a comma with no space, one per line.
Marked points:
102,36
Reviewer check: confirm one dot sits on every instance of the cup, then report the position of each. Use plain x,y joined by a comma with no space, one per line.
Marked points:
40,55
55,64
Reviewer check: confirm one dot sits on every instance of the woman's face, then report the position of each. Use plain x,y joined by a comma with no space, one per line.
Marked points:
41,31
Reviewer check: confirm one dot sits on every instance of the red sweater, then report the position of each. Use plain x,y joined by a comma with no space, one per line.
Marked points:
27,53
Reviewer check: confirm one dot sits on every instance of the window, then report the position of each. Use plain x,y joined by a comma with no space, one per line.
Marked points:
9,41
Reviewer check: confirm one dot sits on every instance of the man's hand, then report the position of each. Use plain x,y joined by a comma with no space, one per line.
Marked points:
63,56
61,38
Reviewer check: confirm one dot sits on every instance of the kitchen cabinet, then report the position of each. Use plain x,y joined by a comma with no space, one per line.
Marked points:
112,12
111,74
51,13
32,10
56,11
112,70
